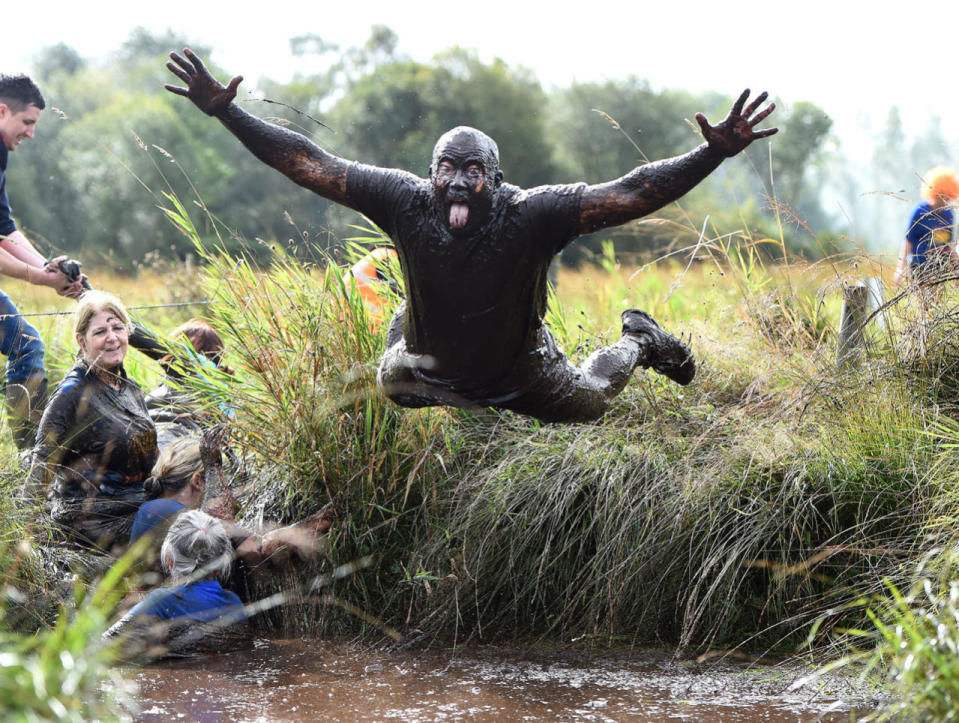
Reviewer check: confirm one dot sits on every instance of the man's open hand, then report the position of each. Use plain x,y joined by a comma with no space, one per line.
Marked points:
736,132
206,92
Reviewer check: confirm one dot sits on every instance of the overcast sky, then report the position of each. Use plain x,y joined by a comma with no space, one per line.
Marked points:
850,58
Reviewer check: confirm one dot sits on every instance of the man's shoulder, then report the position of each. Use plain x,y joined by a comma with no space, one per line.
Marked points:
550,192
551,199
362,176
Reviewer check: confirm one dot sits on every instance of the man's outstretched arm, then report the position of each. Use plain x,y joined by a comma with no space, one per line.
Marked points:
292,154
652,186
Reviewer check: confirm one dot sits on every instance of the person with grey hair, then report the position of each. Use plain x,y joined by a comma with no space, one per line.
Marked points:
196,543
196,610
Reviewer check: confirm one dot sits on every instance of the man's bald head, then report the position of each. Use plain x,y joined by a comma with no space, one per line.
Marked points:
465,143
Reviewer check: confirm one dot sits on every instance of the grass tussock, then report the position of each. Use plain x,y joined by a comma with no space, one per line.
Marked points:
778,486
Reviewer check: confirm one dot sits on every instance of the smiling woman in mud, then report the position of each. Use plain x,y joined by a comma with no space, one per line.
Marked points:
96,443
475,252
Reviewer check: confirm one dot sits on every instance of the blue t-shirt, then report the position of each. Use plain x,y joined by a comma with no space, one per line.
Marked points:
930,233
201,601
153,513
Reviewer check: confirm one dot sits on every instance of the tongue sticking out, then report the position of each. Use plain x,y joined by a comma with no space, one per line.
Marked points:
459,215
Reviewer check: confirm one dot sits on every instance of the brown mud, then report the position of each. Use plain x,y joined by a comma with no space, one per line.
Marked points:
306,679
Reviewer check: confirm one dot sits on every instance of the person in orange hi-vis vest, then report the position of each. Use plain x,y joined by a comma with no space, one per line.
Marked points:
371,277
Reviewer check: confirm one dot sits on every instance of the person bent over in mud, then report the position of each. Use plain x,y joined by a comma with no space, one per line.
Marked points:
475,252
196,614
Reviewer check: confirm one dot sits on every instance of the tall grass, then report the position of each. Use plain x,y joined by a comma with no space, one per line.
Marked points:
775,491
66,671
733,511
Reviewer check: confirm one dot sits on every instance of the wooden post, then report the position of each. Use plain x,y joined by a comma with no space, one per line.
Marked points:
855,309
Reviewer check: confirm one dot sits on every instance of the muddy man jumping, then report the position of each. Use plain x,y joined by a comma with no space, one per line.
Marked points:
475,251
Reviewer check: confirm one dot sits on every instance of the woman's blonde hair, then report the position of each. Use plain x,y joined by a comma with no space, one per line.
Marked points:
91,304
175,467
939,181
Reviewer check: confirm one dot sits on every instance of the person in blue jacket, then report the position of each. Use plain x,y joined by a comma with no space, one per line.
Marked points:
927,250
188,474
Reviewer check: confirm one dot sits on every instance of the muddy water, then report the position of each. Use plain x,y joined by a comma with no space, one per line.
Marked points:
306,680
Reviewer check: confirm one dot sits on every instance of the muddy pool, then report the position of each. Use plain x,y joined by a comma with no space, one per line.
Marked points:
308,680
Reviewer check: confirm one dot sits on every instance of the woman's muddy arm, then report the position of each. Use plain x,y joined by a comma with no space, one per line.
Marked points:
218,499
59,428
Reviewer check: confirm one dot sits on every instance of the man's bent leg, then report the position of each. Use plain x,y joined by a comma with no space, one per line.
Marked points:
557,391
554,390
26,379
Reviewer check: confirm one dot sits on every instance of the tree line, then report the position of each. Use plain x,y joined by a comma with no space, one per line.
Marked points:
113,144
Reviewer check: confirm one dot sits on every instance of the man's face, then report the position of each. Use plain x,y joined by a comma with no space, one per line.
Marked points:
15,126
465,173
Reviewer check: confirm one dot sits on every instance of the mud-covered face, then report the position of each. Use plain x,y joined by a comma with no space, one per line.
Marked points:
104,344
465,173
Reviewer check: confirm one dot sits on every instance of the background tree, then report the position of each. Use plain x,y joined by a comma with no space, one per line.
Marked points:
393,115
114,141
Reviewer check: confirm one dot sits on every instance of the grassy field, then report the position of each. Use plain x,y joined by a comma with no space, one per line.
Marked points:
779,499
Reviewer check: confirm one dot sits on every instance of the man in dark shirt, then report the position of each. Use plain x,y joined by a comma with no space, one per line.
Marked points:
475,252
21,104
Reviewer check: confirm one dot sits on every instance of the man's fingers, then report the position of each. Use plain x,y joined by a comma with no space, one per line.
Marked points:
179,72
755,104
765,132
234,84
179,91
761,116
180,61
197,63
703,123
738,105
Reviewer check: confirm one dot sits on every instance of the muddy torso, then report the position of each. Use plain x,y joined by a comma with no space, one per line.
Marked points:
474,303
96,441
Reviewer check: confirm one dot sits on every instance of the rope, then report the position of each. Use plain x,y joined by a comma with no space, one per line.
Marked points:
129,308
